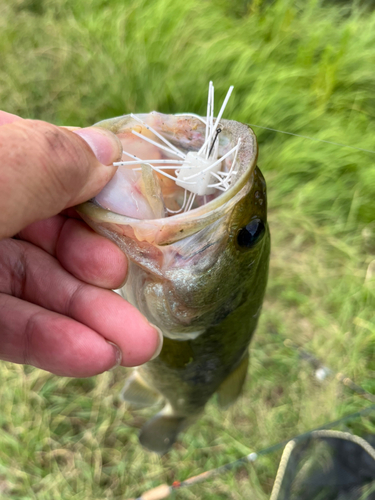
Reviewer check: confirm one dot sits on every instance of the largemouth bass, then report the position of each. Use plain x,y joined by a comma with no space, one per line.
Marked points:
197,267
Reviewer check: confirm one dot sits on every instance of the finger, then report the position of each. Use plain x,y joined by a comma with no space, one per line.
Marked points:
88,256
24,271
44,233
46,169
31,335
6,118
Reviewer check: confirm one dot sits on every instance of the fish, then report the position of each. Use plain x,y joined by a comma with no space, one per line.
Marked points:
198,257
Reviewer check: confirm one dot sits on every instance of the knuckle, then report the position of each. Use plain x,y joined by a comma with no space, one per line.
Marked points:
12,268
74,299
30,334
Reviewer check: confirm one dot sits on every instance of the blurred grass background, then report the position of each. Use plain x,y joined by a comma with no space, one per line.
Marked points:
305,67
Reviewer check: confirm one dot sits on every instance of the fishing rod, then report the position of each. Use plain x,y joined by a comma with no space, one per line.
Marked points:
321,372
164,491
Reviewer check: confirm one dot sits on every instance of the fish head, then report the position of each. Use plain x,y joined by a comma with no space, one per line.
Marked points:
187,271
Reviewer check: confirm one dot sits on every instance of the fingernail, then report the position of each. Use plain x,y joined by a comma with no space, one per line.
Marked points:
72,129
118,355
160,343
105,145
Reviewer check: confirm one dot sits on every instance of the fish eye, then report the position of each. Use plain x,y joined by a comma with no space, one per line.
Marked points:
249,235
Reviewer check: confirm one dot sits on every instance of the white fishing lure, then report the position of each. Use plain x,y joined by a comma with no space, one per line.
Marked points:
198,173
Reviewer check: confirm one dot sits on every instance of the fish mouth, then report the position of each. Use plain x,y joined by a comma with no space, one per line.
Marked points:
186,132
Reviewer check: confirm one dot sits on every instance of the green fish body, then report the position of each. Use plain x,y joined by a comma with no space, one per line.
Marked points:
199,275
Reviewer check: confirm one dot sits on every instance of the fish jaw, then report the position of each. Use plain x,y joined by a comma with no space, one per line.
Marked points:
165,230
184,287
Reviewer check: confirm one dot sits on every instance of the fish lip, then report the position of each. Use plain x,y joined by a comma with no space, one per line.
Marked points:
181,224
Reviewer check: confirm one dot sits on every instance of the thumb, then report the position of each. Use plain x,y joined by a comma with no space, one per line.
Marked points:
45,169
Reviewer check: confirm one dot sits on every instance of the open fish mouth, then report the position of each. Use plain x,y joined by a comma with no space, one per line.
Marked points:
178,174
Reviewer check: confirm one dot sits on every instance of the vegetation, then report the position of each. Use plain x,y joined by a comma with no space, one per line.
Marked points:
305,67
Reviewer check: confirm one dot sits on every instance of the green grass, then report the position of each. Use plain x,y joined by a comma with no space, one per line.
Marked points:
306,67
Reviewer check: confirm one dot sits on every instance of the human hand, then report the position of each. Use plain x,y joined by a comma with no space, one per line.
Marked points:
57,310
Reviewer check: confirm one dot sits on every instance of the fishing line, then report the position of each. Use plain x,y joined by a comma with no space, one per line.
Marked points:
164,490
321,372
312,138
